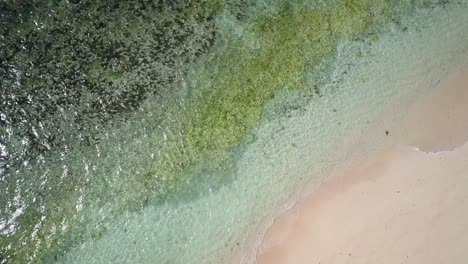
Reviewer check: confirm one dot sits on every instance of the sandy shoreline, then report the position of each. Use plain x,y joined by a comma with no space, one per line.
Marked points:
401,206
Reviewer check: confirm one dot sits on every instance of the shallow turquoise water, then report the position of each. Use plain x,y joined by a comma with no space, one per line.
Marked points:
175,153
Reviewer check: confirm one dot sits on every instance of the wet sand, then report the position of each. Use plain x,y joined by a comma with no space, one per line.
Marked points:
403,205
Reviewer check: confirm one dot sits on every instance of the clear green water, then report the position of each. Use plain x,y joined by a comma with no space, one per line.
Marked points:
166,133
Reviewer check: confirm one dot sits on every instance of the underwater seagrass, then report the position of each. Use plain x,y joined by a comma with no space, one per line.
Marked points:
115,106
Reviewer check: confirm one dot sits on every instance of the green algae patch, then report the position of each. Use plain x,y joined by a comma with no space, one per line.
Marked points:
230,104
234,102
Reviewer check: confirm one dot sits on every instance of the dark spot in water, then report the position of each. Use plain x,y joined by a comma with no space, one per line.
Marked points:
386,132
317,91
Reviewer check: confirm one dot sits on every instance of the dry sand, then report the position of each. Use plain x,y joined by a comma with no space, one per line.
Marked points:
402,206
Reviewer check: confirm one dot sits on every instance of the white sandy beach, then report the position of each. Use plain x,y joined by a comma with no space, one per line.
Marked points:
408,204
